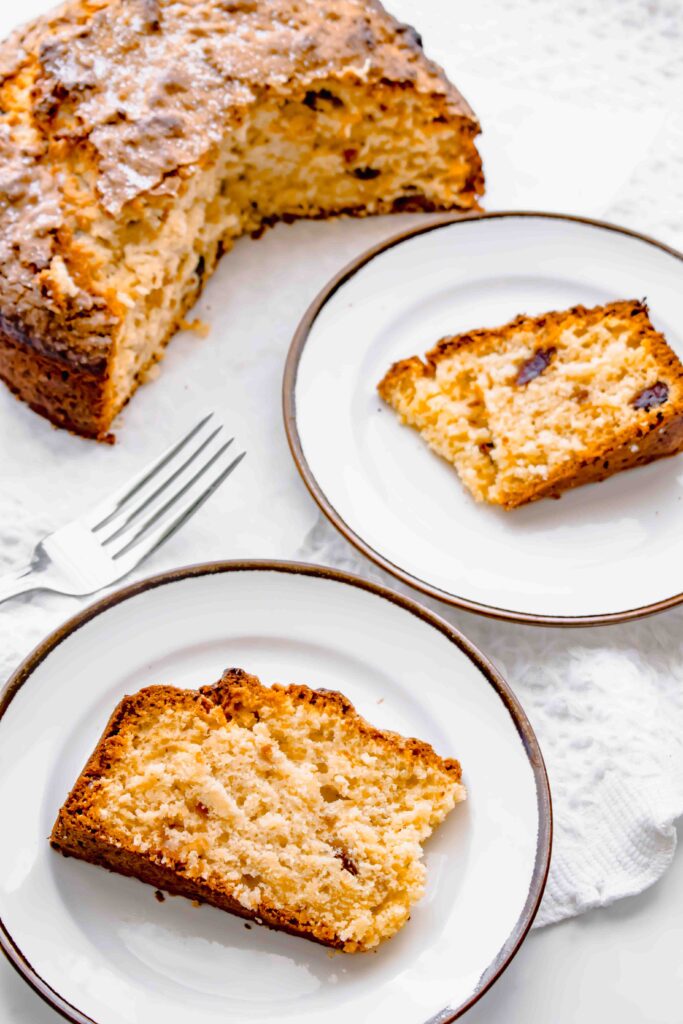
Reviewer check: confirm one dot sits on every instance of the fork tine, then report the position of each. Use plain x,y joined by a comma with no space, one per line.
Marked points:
125,518
103,512
136,550
127,538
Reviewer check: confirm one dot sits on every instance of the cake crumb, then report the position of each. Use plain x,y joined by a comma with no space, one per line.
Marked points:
150,373
159,896
199,327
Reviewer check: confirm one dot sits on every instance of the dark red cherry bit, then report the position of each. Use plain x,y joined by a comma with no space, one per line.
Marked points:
650,398
535,366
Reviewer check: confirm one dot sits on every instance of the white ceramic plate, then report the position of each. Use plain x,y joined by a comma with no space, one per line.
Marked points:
605,552
100,947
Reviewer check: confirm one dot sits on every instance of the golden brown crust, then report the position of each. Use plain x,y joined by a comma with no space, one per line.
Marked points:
402,375
78,842
77,832
70,398
236,685
554,321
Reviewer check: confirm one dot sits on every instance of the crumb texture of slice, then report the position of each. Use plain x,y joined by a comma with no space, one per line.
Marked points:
277,803
545,403
140,138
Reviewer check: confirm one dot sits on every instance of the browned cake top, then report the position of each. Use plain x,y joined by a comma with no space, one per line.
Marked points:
149,82
104,102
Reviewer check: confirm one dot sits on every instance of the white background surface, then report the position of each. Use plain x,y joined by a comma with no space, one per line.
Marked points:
580,103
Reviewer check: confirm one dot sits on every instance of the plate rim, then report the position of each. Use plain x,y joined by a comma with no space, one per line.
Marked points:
495,679
289,381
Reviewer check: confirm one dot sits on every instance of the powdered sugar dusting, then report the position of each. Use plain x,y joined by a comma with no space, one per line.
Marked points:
153,84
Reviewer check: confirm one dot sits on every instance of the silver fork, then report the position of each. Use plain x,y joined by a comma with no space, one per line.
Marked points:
106,543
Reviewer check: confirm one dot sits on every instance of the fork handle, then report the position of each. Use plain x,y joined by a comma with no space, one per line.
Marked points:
19,582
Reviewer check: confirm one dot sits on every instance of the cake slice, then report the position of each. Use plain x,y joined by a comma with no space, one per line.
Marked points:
140,138
279,804
545,403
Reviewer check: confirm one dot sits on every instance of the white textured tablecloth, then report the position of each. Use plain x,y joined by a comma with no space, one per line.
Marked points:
580,104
